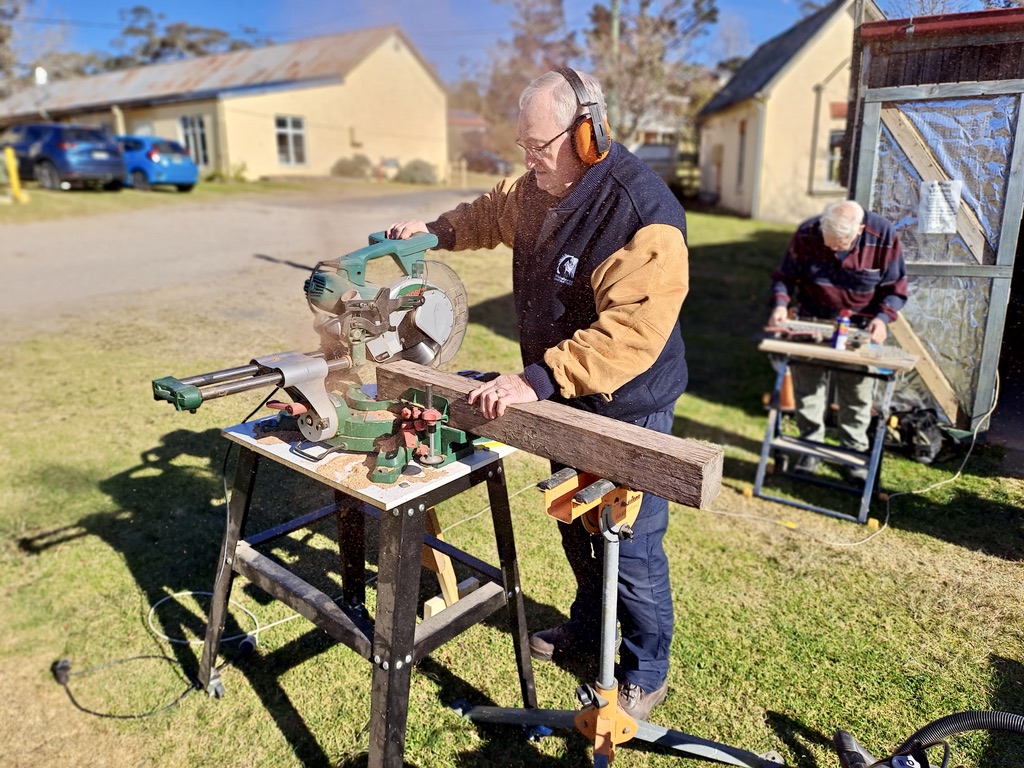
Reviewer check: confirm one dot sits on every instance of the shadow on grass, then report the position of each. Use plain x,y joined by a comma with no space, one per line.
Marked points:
1003,747
168,527
1007,696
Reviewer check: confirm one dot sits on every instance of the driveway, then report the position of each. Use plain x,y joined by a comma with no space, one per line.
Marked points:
221,252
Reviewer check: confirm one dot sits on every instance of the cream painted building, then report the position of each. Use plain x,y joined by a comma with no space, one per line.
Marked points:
292,109
771,138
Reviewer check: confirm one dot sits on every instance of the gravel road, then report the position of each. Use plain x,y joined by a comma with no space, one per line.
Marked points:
170,257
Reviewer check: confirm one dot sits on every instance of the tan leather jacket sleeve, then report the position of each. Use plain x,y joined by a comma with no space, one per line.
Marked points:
488,220
639,291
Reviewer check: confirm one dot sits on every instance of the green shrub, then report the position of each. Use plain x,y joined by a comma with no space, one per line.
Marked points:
417,172
236,173
356,167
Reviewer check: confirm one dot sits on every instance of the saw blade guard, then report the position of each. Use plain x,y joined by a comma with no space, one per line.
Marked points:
432,333
422,316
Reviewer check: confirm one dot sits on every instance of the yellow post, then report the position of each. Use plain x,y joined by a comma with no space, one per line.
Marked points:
17,194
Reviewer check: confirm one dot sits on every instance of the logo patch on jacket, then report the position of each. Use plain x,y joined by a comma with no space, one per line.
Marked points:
565,270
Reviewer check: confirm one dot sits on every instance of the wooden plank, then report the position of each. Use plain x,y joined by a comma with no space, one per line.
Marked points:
907,136
933,378
915,268
966,89
688,472
869,357
932,66
951,59
912,68
438,562
991,62
867,157
878,72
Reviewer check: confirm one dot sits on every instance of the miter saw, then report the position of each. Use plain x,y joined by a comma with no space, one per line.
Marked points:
420,317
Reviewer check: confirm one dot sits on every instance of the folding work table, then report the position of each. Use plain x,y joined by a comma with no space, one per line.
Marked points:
883,363
393,640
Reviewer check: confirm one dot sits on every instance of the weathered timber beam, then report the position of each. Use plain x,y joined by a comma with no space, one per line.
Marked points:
684,471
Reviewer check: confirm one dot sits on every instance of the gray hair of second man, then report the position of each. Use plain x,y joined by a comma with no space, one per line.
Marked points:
842,218
566,107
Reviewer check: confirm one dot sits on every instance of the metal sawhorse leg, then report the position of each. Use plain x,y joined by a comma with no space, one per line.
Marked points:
780,447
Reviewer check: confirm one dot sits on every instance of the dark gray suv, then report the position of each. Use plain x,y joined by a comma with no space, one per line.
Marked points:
62,156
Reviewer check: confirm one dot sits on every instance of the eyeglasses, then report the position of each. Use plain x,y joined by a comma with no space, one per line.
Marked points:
542,150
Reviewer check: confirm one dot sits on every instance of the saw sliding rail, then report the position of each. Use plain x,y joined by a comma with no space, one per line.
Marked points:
189,393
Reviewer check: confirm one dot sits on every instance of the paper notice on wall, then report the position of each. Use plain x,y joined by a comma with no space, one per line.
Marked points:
940,201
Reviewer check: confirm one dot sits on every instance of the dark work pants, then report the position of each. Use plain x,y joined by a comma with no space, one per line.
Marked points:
645,595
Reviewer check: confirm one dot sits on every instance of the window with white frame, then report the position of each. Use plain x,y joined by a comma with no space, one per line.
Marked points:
291,140
193,135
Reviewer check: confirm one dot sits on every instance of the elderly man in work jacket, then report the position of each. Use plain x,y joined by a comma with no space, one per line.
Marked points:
846,259
600,272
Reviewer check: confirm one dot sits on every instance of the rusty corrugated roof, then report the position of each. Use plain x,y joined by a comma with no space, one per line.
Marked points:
317,58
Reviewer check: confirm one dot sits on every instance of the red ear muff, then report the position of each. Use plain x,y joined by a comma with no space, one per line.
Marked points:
587,143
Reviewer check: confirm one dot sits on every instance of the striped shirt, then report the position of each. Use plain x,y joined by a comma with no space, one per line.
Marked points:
869,280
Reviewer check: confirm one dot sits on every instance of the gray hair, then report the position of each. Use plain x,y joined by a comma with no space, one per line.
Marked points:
842,218
564,104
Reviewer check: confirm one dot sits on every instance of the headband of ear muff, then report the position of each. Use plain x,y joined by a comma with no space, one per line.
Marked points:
590,134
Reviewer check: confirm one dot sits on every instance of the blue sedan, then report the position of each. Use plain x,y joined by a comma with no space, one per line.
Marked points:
150,161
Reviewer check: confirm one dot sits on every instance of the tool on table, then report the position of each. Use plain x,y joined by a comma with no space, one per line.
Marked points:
817,332
421,316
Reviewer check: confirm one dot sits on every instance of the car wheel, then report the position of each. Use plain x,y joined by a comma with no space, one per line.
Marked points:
140,181
185,187
47,175
113,186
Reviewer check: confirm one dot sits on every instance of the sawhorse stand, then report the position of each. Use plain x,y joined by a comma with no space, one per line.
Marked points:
392,640
609,510
884,364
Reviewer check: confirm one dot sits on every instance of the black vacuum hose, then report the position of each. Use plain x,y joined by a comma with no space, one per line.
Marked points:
961,722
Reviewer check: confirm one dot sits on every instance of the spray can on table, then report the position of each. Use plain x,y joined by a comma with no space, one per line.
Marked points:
842,330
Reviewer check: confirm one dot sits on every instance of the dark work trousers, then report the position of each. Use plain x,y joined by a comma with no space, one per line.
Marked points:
645,595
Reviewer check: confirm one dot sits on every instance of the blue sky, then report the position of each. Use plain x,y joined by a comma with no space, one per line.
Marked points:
447,32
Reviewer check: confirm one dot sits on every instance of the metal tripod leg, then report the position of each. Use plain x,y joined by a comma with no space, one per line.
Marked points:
600,719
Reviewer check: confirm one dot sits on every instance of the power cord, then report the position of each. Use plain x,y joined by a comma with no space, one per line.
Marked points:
61,671
974,439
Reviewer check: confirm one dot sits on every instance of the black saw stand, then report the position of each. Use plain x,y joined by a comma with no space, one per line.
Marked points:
392,641
608,509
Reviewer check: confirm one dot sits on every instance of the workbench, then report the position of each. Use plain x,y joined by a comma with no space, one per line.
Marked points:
392,640
883,363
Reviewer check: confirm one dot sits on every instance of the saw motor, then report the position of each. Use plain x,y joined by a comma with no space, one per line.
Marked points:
421,317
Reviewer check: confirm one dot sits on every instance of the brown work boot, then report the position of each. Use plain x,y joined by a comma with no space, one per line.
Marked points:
561,640
636,703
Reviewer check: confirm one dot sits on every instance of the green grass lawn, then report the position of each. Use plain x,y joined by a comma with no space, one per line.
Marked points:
789,624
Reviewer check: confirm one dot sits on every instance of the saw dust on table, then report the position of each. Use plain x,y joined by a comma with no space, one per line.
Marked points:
352,469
